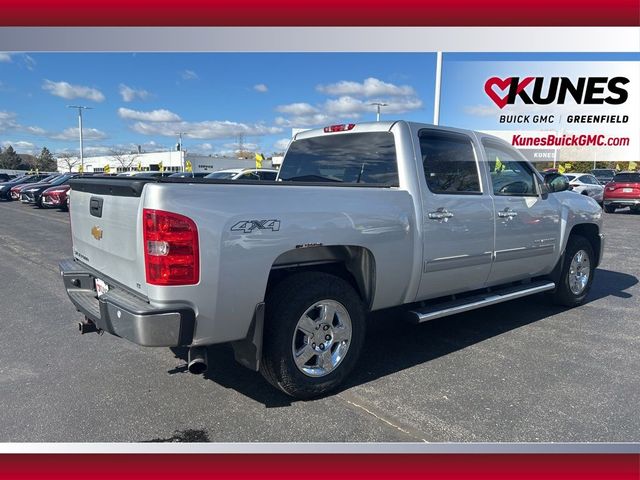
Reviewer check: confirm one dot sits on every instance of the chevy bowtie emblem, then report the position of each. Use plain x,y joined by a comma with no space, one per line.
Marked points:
96,231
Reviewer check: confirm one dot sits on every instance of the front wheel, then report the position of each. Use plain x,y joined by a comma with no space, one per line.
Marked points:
577,272
313,334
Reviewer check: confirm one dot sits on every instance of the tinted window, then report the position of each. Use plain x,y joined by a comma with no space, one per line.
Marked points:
351,158
510,175
627,177
268,175
449,163
249,176
222,175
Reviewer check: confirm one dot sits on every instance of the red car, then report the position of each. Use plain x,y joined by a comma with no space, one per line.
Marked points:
55,197
16,190
623,191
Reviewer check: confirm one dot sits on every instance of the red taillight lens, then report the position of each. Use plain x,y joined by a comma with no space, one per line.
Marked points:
339,128
171,252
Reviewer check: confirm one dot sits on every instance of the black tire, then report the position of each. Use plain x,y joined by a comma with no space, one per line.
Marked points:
609,209
285,306
563,294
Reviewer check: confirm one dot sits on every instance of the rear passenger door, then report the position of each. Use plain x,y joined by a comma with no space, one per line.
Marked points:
458,222
527,222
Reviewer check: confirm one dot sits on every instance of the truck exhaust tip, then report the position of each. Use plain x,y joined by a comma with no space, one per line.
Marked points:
198,362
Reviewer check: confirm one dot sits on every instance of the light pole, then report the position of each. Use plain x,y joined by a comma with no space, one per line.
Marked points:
180,148
80,108
378,105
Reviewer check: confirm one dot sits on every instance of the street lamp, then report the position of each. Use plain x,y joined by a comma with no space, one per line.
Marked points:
180,147
378,105
80,108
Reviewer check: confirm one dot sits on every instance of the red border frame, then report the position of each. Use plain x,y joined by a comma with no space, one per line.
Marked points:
338,466
319,13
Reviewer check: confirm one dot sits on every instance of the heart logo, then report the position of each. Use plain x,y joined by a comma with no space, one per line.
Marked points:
503,84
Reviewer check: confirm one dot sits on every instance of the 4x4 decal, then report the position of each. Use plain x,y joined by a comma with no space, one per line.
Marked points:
248,226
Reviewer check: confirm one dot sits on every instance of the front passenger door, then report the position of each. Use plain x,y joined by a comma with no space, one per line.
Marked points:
527,222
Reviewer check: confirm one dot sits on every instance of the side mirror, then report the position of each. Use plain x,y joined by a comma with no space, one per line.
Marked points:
556,182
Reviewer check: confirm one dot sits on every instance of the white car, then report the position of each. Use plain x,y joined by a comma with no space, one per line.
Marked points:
586,184
245,174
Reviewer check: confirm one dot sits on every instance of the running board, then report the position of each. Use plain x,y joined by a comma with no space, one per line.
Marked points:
478,301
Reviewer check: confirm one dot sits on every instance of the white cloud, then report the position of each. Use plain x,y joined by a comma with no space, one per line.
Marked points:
129,94
370,87
304,120
71,133
20,146
151,116
189,75
68,91
35,130
282,144
261,87
7,120
5,57
210,129
29,62
297,109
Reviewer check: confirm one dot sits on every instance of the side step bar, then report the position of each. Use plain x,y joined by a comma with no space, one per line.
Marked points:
478,301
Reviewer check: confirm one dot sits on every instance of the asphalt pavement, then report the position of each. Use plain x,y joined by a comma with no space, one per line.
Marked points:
524,371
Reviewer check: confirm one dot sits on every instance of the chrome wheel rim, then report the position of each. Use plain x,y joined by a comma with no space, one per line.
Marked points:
579,272
321,338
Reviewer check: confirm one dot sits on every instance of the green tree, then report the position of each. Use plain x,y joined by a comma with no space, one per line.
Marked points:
45,161
9,159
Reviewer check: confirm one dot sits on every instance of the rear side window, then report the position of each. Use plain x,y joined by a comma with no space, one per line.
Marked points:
347,158
627,177
449,162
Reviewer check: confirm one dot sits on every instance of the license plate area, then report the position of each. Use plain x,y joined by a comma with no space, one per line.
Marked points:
101,287
627,190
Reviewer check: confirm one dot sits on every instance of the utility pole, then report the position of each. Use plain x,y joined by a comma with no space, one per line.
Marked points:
80,108
378,105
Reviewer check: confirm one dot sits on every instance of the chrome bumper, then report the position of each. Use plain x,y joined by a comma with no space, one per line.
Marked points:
126,315
628,202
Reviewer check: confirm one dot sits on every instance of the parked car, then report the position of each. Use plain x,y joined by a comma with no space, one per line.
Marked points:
244,174
17,190
56,197
5,177
363,217
188,175
603,175
623,191
31,194
586,184
5,188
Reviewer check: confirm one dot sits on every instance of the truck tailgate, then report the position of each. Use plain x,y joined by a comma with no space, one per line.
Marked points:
105,225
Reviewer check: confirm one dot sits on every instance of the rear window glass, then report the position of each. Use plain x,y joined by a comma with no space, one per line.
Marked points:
627,177
347,158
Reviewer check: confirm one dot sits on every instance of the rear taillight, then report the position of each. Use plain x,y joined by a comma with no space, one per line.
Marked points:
171,254
339,128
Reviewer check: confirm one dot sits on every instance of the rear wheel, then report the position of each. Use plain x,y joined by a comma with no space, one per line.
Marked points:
313,335
576,275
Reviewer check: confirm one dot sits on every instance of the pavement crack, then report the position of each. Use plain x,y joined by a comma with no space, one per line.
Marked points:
415,435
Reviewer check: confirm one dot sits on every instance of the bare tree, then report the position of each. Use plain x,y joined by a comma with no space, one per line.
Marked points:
123,158
69,160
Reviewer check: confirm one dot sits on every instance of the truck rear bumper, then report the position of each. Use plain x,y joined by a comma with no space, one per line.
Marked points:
623,202
125,315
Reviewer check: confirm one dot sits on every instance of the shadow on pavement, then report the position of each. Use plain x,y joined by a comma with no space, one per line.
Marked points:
393,345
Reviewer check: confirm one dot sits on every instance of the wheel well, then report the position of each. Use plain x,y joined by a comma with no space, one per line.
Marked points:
591,233
352,263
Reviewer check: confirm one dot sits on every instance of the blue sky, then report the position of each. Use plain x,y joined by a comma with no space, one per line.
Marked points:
143,99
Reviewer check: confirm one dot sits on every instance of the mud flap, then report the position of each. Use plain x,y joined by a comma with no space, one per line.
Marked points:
248,351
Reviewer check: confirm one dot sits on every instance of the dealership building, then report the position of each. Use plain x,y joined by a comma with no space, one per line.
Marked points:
171,161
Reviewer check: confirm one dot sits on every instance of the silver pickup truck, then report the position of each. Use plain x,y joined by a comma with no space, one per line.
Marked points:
361,218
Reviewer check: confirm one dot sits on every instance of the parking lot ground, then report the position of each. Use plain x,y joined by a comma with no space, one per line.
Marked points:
524,371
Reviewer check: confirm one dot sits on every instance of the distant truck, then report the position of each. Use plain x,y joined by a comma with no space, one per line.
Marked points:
361,218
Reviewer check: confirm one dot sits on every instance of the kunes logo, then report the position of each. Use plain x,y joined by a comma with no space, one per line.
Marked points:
545,91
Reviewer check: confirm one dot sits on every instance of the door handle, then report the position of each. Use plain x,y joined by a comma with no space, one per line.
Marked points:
440,214
507,213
